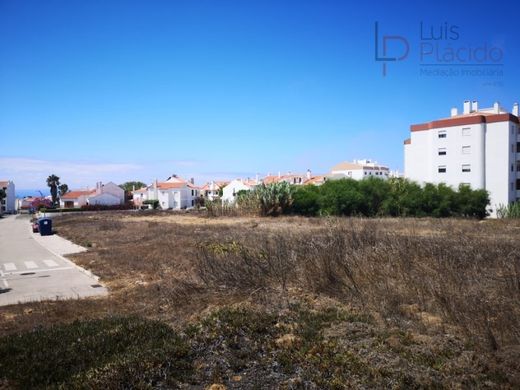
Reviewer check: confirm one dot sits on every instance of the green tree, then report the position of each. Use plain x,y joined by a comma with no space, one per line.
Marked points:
132,185
340,197
306,200
53,182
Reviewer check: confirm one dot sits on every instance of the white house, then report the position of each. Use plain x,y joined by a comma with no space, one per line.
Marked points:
359,169
230,191
8,204
109,194
212,189
291,178
174,193
480,148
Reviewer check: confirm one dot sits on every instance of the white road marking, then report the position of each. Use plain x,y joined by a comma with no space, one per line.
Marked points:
50,263
30,264
10,267
39,271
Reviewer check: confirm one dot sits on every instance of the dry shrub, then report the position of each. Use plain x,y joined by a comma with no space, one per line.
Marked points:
456,272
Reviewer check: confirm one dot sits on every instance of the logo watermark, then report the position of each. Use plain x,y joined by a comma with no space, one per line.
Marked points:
439,52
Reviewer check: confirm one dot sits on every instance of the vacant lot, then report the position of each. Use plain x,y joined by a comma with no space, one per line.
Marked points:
277,303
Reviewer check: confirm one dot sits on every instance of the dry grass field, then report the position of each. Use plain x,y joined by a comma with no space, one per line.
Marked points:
286,302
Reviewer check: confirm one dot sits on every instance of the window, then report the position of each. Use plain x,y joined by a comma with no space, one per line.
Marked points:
192,192
466,131
442,169
466,168
518,147
518,166
442,134
466,150
442,152
517,184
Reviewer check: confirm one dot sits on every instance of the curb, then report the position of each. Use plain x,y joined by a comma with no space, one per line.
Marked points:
81,269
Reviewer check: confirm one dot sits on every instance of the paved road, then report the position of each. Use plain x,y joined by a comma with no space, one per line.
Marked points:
31,272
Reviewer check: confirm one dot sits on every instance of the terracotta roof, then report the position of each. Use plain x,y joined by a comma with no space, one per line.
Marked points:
466,119
315,180
275,178
77,194
140,190
4,184
408,141
168,186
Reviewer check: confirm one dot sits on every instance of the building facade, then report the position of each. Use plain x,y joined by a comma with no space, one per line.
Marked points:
8,204
109,194
479,148
230,191
359,169
174,193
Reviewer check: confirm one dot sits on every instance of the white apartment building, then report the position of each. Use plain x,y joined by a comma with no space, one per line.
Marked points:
480,148
359,169
8,204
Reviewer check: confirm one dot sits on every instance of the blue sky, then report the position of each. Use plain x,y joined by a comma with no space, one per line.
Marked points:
122,90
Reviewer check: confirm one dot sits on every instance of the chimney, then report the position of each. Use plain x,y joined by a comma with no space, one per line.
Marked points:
192,180
454,111
155,193
474,106
515,109
467,106
308,174
496,108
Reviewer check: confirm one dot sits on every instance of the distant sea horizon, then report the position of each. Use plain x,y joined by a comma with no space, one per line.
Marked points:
22,193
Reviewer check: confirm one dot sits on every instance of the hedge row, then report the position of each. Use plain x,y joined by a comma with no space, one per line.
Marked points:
394,197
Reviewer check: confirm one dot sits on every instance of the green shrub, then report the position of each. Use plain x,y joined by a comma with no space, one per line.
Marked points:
118,352
512,210
153,202
396,197
305,201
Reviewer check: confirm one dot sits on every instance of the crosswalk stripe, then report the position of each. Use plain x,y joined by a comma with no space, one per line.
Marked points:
50,263
30,264
9,266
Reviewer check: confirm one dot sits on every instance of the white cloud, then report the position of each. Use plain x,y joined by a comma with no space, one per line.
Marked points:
32,173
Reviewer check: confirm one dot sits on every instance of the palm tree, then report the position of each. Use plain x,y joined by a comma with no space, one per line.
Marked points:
53,182
63,189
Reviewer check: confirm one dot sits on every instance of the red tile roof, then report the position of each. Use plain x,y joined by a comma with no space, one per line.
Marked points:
466,119
77,194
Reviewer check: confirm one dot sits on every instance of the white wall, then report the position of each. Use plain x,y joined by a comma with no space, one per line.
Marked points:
490,158
104,199
229,192
10,199
115,190
175,198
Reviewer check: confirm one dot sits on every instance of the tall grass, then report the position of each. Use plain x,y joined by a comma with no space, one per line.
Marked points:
511,210
467,282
